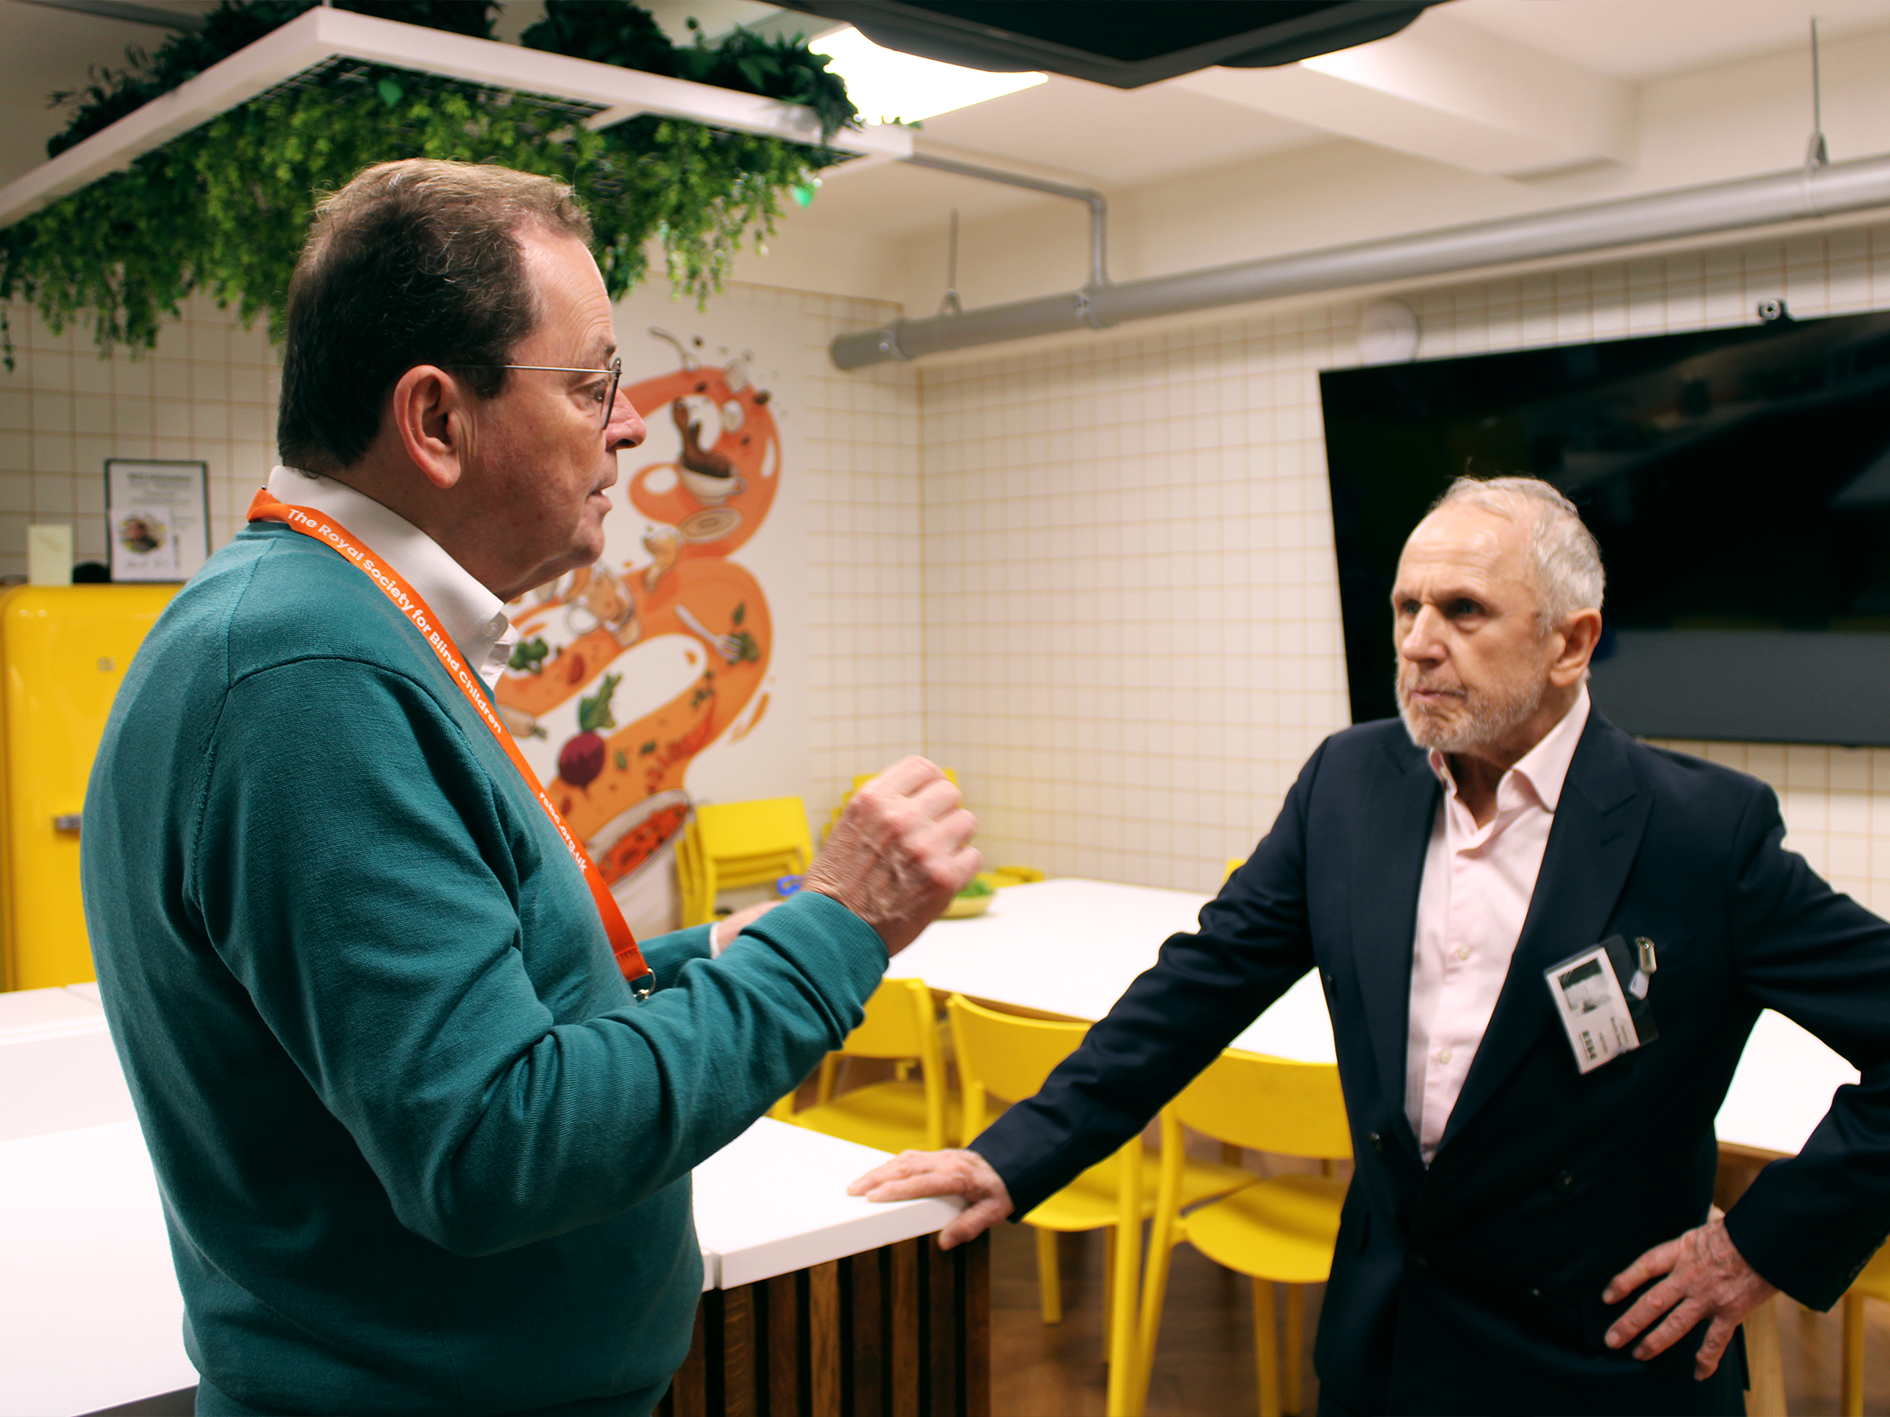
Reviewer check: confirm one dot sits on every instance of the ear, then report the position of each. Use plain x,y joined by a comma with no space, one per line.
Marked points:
1580,633
430,411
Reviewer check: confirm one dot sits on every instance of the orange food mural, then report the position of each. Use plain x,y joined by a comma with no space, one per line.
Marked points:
621,782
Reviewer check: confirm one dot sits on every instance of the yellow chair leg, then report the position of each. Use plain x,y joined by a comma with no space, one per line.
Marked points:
1124,1394
1295,1342
1049,1285
1851,1399
1266,1347
829,1072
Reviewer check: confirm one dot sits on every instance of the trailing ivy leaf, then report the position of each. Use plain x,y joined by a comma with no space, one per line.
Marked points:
222,210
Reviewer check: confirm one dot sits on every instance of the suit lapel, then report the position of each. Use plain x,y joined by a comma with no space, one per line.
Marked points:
1387,871
1591,849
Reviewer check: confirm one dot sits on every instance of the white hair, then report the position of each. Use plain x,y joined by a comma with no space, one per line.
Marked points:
1566,560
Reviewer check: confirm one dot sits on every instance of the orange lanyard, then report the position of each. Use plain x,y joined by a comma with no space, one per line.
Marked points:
328,531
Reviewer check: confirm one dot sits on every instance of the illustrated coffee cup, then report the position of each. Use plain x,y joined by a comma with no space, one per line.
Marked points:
711,491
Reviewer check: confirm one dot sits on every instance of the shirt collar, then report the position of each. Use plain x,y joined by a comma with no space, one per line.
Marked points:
472,615
1545,766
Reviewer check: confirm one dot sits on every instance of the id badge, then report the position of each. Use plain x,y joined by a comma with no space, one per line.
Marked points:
1594,1009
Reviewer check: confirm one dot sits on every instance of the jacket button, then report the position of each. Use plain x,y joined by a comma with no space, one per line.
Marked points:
1562,1184
1374,1141
1415,1260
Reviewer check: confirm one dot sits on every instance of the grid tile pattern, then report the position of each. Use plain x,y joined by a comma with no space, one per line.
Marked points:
1132,637
206,393
209,391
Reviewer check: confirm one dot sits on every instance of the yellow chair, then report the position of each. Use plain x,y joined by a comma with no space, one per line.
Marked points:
730,844
1277,1229
1873,1283
1010,1057
901,1023
1234,863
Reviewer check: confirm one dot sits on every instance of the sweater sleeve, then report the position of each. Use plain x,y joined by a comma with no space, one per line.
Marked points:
370,887
667,954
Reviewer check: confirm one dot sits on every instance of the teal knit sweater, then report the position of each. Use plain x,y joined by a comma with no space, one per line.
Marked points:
419,1149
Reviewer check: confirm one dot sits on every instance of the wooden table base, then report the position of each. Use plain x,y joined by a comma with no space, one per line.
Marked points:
903,1331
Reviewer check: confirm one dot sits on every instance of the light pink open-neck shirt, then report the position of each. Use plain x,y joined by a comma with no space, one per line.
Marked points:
1471,908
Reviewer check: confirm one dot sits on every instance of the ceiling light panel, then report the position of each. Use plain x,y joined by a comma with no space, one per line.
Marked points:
886,85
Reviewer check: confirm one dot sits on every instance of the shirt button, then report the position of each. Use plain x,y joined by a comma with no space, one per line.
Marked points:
1463,952
1443,1055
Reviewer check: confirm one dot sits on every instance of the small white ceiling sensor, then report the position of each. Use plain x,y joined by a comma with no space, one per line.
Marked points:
1387,333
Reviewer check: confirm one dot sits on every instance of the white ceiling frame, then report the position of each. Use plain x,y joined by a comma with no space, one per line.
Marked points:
323,34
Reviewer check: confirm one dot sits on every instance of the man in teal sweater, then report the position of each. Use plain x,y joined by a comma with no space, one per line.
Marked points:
421,1149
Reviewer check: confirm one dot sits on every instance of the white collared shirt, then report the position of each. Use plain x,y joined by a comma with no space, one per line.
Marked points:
470,614
1471,907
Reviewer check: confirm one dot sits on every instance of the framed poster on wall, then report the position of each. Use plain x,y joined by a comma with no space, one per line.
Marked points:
157,518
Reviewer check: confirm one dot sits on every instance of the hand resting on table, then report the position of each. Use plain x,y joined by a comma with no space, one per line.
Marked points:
913,1174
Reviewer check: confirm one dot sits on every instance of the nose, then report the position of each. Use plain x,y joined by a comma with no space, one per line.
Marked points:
1420,642
625,429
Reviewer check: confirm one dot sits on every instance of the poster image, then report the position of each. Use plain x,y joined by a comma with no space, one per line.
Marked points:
647,681
157,519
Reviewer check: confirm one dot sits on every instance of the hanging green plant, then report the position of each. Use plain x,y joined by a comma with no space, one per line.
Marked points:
223,209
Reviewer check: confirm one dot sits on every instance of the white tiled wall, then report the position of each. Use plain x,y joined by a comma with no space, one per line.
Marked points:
205,394
208,392
1096,579
1132,629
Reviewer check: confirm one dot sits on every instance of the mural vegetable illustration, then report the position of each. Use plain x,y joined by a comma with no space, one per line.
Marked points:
581,759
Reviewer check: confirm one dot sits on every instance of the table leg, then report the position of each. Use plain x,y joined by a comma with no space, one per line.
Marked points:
1766,1396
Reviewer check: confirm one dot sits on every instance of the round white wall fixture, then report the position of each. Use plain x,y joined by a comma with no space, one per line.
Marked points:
1387,333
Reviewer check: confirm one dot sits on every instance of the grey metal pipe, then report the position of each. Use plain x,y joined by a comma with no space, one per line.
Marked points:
1097,203
1693,211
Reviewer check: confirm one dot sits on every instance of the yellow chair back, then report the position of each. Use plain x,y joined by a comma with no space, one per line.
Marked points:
1234,863
1269,1104
1005,1055
767,829
899,1023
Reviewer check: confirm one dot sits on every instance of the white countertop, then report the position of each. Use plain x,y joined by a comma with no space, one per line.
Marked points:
774,1200
90,1314
1071,947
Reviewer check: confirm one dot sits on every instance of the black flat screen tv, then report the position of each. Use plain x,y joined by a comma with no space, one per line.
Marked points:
1738,481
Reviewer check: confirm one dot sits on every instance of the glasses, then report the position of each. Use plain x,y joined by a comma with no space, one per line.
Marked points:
610,392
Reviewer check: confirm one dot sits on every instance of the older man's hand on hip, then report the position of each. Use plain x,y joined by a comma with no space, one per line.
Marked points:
900,852
913,1174
1707,1279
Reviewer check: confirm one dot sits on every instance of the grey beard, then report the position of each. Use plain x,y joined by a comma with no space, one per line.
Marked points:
1490,717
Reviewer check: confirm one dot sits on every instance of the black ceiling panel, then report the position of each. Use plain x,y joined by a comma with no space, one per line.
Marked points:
1126,43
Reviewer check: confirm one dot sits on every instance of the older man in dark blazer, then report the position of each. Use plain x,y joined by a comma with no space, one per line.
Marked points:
1529,1228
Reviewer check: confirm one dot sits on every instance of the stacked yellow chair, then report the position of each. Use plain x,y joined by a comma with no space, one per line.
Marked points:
1009,1057
1873,1283
1279,1229
901,1024
731,844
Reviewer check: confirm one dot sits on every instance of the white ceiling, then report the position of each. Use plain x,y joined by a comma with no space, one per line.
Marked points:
1118,139
1645,39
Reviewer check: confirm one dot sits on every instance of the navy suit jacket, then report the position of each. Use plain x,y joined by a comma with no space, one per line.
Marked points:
1474,1284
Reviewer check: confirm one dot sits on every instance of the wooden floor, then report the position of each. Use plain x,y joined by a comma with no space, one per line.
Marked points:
1204,1363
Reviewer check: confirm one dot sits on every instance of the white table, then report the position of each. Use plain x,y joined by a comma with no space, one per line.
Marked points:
1071,946
90,1314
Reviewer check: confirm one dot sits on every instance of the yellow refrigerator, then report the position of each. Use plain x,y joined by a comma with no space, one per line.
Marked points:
63,653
